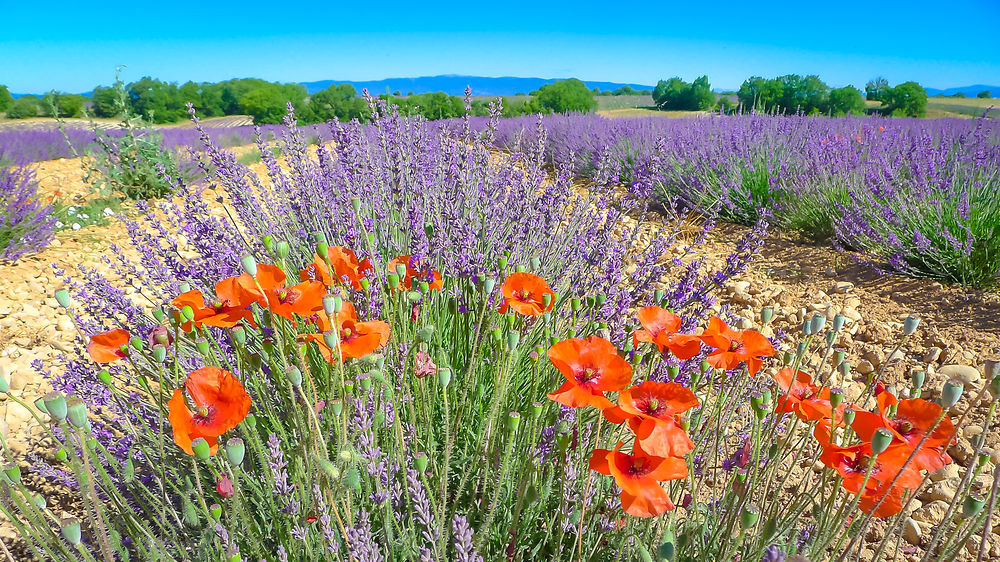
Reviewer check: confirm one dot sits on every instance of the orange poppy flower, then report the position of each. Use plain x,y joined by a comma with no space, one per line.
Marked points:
661,328
851,463
652,410
912,421
415,270
302,299
220,404
733,348
591,367
231,305
525,293
357,339
639,476
345,264
107,346
891,505
804,399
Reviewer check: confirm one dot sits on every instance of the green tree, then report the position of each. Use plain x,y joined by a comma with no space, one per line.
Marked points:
907,99
876,88
676,94
105,102
156,100
66,105
985,94
566,95
6,99
23,107
846,101
760,93
338,101
958,95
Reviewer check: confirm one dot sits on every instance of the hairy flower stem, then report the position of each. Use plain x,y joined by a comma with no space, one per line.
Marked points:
92,503
583,500
989,514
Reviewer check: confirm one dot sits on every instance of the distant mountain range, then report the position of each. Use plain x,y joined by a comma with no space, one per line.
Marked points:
969,91
454,84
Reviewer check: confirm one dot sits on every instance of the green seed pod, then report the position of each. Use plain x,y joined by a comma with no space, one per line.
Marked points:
62,297
77,412
830,338
294,376
599,300
70,529
444,377
972,506
203,346
159,315
268,241
546,299
502,263
282,249
536,264
40,405
424,287
838,322
513,421
801,348
817,323
187,313
995,386
420,462
536,409
365,283
836,397
235,450
575,304
331,470
215,510
772,451
704,367
844,368
910,325
489,285
322,248
250,421
770,528
249,265
881,440
766,315
951,393
513,338
55,405
520,268
201,449
918,379
749,516
337,406
425,334
787,358
673,371
849,415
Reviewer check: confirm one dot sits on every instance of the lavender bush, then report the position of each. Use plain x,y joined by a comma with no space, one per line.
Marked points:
26,222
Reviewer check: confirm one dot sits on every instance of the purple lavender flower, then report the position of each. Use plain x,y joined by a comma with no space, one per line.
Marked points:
26,224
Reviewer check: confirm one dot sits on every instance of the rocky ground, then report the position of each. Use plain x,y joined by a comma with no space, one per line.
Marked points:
959,329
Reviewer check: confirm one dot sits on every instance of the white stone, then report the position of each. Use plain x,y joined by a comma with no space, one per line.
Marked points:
911,531
966,374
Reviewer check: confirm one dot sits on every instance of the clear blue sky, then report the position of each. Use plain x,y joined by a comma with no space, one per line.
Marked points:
73,46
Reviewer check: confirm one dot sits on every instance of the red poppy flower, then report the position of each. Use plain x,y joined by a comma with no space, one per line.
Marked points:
225,486
591,367
525,293
345,265
107,346
220,404
912,421
851,463
804,399
639,476
415,269
891,505
357,339
733,348
302,299
231,305
652,410
661,328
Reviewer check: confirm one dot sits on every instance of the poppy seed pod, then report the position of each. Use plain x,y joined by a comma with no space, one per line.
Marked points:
76,411
235,450
972,506
830,338
268,241
55,405
807,328
282,249
215,510
414,297
513,338
575,304
520,268
40,405
910,325
766,315
836,397
294,375
249,265
201,449
488,285
838,322
136,343
918,379
70,529
704,367
844,368
365,283
991,368
749,516
420,462
673,371
849,415
444,377
817,323
239,335
322,248
4,384
401,270
319,236
513,421
951,393
787,358
838,357
336,406
881,440
536,264
62,297
502,262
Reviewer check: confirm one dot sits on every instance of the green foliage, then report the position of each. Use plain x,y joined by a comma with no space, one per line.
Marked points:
876,88
6,99
845,101
98,211
105,102
985,94
908,99
785,94
760,93
958,95
340,102
23,107
565,95
520,107
155,100
59,104
676,94
725,104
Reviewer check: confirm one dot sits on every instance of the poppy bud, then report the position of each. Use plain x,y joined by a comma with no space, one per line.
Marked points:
13,472
4,384
420,462
202,346
330,469
444,376
658,296
881,440
972,506
502,262
62,455
910,325
135,343
322,248
426,333
249,265
189,514
55,405
749,516
575,304
838,357
235,449
571,333
817,323
531,495
70,529
40,405
294,375
918,379
225,486
513,338
991,368
984,457
187,313
366,384
807,328
128,472
201,449
787,358
282,249
704,367
849,416
159,315
830,338
513,421
414,297
838,322
62,297
599,300
520,268
268,241
591,301
215,510
352,478
673,371
77,412
951,393
666,550
766,315
844,368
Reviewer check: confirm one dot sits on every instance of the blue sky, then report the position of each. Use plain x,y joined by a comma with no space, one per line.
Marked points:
69,46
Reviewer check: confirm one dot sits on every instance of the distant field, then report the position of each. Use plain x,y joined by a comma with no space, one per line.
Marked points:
607,103
645,112
966,107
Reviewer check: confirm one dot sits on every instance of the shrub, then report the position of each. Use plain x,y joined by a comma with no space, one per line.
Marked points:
59,104
676,94
6,99
24,107
907,99
26,223
563,96
846,101
985,94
